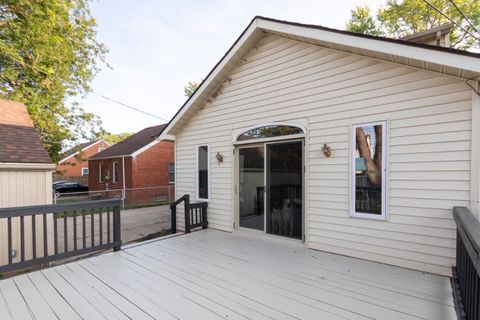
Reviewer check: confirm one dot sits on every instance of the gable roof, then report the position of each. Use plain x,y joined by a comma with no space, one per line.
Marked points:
131,144
452,62
19,140
78,148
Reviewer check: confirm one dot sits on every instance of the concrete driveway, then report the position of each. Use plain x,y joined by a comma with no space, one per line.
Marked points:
136,224
141,222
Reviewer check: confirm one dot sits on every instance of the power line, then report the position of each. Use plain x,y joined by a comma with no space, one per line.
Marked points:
127,106
464,16
450,19
89,90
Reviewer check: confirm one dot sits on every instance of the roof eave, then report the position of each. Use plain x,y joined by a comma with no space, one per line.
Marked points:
440,56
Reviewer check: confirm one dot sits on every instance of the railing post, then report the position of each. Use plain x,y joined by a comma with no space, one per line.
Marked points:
204,217
187,213
117,236
174,219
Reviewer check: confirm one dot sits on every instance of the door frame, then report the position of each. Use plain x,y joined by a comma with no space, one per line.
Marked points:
236,197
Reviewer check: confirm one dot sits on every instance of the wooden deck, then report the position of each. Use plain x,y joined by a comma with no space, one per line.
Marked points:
211,275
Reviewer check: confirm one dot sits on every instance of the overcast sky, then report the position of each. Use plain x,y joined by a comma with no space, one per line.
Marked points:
157,46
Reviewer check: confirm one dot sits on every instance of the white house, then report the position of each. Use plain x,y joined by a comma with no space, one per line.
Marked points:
353,144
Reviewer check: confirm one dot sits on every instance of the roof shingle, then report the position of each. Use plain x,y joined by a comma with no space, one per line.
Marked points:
19,140
132,143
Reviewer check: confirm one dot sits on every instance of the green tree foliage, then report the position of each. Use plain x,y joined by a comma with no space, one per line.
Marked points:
112,138
190,88
363,22
48,57
399,18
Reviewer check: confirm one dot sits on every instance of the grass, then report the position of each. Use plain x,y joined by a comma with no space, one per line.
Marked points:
60,215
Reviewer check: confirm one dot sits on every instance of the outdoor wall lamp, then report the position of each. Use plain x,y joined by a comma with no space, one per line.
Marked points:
327,152
219,157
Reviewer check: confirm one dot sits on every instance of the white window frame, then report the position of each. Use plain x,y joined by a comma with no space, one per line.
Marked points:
100,172
353,146
83,171
115,172
168,172
208,175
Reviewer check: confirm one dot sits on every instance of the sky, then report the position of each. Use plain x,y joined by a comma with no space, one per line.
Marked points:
156,47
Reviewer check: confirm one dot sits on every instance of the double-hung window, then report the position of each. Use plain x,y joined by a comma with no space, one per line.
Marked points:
115,172
100,172
368,172
171,172
203,172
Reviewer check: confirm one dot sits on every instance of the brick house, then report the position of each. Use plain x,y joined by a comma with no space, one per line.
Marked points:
74,162
140,168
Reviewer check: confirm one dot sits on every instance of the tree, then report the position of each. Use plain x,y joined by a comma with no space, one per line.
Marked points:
48,57
399,18
363,22
190,88
112,138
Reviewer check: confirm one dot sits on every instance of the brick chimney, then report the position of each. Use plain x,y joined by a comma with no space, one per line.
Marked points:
438,36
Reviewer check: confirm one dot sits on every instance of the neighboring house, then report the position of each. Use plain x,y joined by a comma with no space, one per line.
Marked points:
141,165
25,168
353,144
74,162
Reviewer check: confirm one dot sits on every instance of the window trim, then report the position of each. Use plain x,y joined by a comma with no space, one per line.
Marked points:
100,172
113,172
83,174
197,147
168,172
353,213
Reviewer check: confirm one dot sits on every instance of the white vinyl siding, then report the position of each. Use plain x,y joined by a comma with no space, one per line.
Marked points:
24,187
328,91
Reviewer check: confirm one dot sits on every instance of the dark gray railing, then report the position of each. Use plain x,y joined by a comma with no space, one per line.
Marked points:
195,214
466,273
29,252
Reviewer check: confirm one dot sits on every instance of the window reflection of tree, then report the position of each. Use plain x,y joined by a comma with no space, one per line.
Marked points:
369,180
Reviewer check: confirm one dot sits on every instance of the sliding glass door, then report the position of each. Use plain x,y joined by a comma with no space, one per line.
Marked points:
251,187
270,188
284,189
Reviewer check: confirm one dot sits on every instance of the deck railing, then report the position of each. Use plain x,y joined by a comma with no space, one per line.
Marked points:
195,214
33,236
466,273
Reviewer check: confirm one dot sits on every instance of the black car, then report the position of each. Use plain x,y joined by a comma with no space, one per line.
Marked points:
68,187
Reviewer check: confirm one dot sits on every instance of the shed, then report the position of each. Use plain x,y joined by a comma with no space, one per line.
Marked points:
25,166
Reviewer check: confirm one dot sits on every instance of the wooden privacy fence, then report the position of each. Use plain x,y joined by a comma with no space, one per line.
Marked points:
195,214
37,235
466,273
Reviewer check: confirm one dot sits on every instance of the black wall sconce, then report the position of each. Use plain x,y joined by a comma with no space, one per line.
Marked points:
327,152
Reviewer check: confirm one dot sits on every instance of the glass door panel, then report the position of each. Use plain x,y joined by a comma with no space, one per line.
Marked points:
284,189
251,187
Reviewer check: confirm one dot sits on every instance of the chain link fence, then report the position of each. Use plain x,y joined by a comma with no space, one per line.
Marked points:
131,198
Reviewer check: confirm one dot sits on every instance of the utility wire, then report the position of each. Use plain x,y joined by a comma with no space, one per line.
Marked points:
90,90
450,19
127,106
464,16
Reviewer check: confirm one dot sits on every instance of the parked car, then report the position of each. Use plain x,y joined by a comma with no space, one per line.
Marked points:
68,187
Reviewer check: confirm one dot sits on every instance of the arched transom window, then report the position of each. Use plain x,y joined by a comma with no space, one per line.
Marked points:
269,131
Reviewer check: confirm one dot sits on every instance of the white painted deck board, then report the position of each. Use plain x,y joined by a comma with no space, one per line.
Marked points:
212,274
